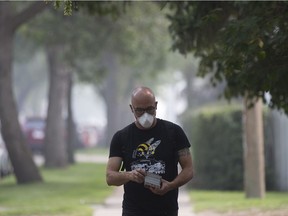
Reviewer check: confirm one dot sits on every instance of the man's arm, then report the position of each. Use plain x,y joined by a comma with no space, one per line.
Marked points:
185,175
117,178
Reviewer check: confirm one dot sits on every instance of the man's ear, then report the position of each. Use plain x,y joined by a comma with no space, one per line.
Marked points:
156,104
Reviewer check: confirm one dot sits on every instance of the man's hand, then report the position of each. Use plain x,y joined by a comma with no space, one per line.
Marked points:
165,187
137,175
117,178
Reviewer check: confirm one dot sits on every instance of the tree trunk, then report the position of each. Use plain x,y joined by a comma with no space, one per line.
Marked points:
189,77
71,130
55,145
254,172
110,95
24,167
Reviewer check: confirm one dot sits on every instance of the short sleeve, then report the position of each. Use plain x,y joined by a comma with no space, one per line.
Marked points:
181,138
116,146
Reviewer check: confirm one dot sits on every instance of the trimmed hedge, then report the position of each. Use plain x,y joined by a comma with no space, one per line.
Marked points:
216,138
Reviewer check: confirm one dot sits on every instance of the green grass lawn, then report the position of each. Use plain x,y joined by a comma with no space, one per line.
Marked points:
71,191
220,201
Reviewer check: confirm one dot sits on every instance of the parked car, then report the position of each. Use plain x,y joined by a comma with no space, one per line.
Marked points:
5,164
34,131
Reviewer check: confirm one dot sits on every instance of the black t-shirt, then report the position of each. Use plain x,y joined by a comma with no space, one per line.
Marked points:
154,150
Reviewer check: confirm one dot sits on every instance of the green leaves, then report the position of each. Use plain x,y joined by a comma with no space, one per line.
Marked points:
67,6
246,43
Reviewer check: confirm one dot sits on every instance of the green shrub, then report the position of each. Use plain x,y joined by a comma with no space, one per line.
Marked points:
217,149
216,133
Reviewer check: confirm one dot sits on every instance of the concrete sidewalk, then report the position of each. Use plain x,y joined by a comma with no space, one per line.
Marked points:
113,204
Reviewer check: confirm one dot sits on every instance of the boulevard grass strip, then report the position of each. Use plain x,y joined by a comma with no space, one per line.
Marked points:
225,201
70,191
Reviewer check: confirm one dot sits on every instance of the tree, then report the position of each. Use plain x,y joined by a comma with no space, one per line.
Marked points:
11,19
140,55
244,43
122,48
70,46
54,43
55,147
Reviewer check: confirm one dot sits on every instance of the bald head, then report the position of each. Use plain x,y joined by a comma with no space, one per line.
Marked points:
143,101
143,96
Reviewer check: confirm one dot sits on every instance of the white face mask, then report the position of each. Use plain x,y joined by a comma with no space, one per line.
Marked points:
146,120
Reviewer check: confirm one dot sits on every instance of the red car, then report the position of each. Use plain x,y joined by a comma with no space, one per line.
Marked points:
34,131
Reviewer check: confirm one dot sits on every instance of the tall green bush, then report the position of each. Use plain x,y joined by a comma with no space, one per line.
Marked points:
216,133
217,149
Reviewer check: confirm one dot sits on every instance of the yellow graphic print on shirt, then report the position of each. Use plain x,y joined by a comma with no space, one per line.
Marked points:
144,155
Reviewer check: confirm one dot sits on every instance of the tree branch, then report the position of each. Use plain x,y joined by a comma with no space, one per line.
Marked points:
29,12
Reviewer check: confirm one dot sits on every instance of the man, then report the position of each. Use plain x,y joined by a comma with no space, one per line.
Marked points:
149,145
